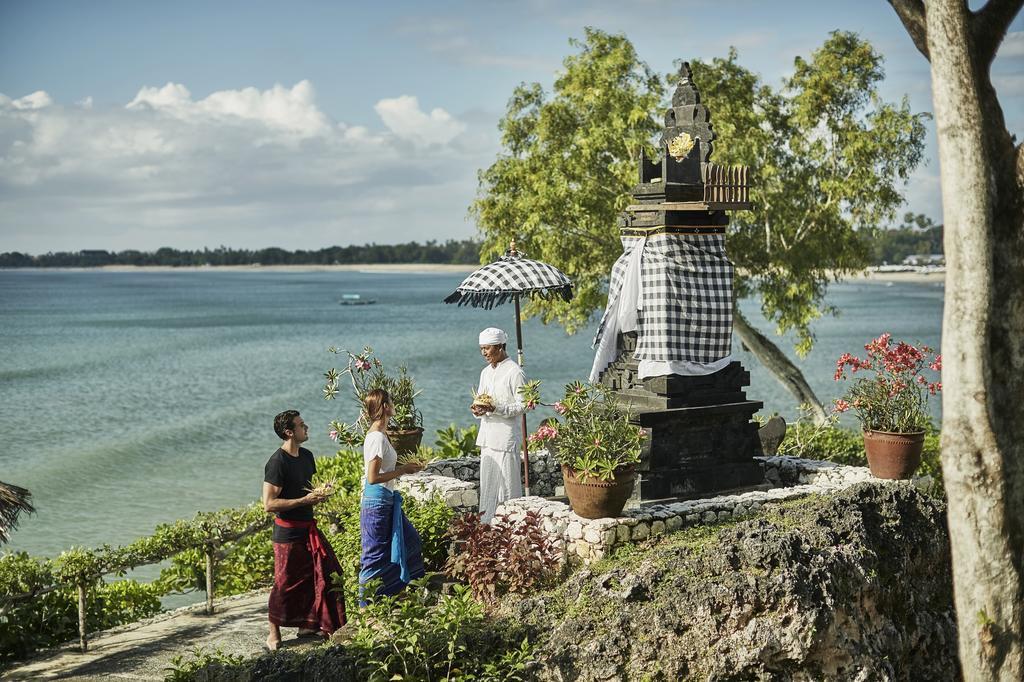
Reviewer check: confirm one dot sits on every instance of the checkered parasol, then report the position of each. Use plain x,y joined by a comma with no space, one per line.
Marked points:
511,276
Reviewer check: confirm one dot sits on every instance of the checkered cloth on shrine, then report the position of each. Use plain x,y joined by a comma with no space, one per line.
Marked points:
511,275
685,297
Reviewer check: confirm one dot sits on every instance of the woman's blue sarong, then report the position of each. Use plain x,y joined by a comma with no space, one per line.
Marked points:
392,551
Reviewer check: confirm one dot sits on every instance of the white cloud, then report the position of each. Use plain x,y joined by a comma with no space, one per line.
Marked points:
239,167
403,117
37,100
293,110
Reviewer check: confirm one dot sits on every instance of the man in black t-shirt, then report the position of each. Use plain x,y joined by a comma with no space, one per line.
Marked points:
303,559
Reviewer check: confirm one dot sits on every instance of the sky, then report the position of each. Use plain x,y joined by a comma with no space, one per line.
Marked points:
191,124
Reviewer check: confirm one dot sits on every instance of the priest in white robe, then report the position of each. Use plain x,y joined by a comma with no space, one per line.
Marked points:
500,436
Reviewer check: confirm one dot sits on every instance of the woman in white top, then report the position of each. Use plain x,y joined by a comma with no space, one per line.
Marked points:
392,551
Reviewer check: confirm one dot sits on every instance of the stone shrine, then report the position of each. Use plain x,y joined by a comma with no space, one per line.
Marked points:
671,359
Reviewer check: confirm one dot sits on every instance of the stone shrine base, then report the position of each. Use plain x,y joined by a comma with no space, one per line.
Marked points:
587,540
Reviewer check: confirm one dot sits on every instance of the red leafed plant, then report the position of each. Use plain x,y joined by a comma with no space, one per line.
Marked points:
895,398
503,556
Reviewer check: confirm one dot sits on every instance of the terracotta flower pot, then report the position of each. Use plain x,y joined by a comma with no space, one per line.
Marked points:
595,499
405,442
893,455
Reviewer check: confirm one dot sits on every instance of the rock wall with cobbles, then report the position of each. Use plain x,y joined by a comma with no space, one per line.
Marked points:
545,472
587,540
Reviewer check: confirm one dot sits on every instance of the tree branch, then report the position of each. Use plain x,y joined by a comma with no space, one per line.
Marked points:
776,362
989,26
911,13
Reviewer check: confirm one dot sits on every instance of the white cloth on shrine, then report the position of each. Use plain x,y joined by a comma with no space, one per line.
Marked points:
621,317
500,436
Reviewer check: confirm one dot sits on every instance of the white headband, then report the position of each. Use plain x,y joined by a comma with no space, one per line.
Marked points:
492,336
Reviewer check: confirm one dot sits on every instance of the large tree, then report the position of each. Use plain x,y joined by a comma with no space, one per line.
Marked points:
828,154
982,175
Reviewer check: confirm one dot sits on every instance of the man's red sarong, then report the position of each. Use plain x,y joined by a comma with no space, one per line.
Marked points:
301,595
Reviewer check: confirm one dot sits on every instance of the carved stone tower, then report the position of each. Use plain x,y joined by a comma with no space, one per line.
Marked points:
674,366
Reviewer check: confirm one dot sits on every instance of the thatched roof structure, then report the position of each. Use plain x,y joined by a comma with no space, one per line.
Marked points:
13,501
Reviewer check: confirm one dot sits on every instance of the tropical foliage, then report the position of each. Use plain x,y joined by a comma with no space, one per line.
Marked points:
453,442
829,157
502,556
366,373
595,437
240,537
894,397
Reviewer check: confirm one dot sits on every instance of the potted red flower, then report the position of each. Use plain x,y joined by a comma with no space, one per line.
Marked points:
891,402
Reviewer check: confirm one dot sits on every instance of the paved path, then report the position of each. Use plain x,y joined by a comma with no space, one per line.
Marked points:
141,651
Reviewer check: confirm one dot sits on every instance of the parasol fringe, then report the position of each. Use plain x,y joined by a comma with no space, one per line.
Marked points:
489,299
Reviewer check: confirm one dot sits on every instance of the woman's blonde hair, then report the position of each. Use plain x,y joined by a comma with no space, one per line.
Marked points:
375,403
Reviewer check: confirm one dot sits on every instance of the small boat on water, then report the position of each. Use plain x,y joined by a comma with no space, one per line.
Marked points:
355,299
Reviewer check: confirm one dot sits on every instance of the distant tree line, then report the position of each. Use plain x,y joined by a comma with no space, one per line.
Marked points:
465,251
917,235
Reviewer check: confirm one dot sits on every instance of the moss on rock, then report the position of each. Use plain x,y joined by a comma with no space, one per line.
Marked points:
857,586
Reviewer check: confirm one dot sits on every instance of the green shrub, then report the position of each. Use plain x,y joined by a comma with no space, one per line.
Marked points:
454,442
423,636
419,636
248,564
122,601
829,443
52,618
184,668
345,468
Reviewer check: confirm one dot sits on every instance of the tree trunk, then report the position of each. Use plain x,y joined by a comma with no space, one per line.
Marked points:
982,341
769,355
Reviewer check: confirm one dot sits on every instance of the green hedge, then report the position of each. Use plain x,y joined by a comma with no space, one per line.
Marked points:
52,618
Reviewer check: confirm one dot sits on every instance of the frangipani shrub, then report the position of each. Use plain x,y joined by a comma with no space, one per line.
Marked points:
892,394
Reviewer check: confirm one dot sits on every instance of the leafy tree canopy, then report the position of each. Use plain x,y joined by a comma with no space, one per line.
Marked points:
829,158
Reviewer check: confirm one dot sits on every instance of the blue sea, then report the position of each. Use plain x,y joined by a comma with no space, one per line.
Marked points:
137,398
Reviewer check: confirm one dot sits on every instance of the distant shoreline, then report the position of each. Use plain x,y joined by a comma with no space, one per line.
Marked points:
930,276
348,267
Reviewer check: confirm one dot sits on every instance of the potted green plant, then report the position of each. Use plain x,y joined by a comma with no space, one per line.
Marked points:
366,373
891,402
597,446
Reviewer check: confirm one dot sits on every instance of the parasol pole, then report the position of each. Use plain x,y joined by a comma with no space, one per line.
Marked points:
519,352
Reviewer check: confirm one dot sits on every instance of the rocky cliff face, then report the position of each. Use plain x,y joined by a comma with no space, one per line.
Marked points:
851,587
855,587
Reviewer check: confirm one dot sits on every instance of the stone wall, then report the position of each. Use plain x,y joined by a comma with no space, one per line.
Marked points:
587,540
545,473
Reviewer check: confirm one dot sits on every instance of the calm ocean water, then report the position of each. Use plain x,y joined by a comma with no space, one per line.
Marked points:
137,398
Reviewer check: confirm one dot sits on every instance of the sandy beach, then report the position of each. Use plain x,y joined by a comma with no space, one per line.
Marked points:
883,276
368,267
922,276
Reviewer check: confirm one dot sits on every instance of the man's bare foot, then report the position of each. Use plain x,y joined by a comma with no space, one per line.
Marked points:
306,632
273,644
